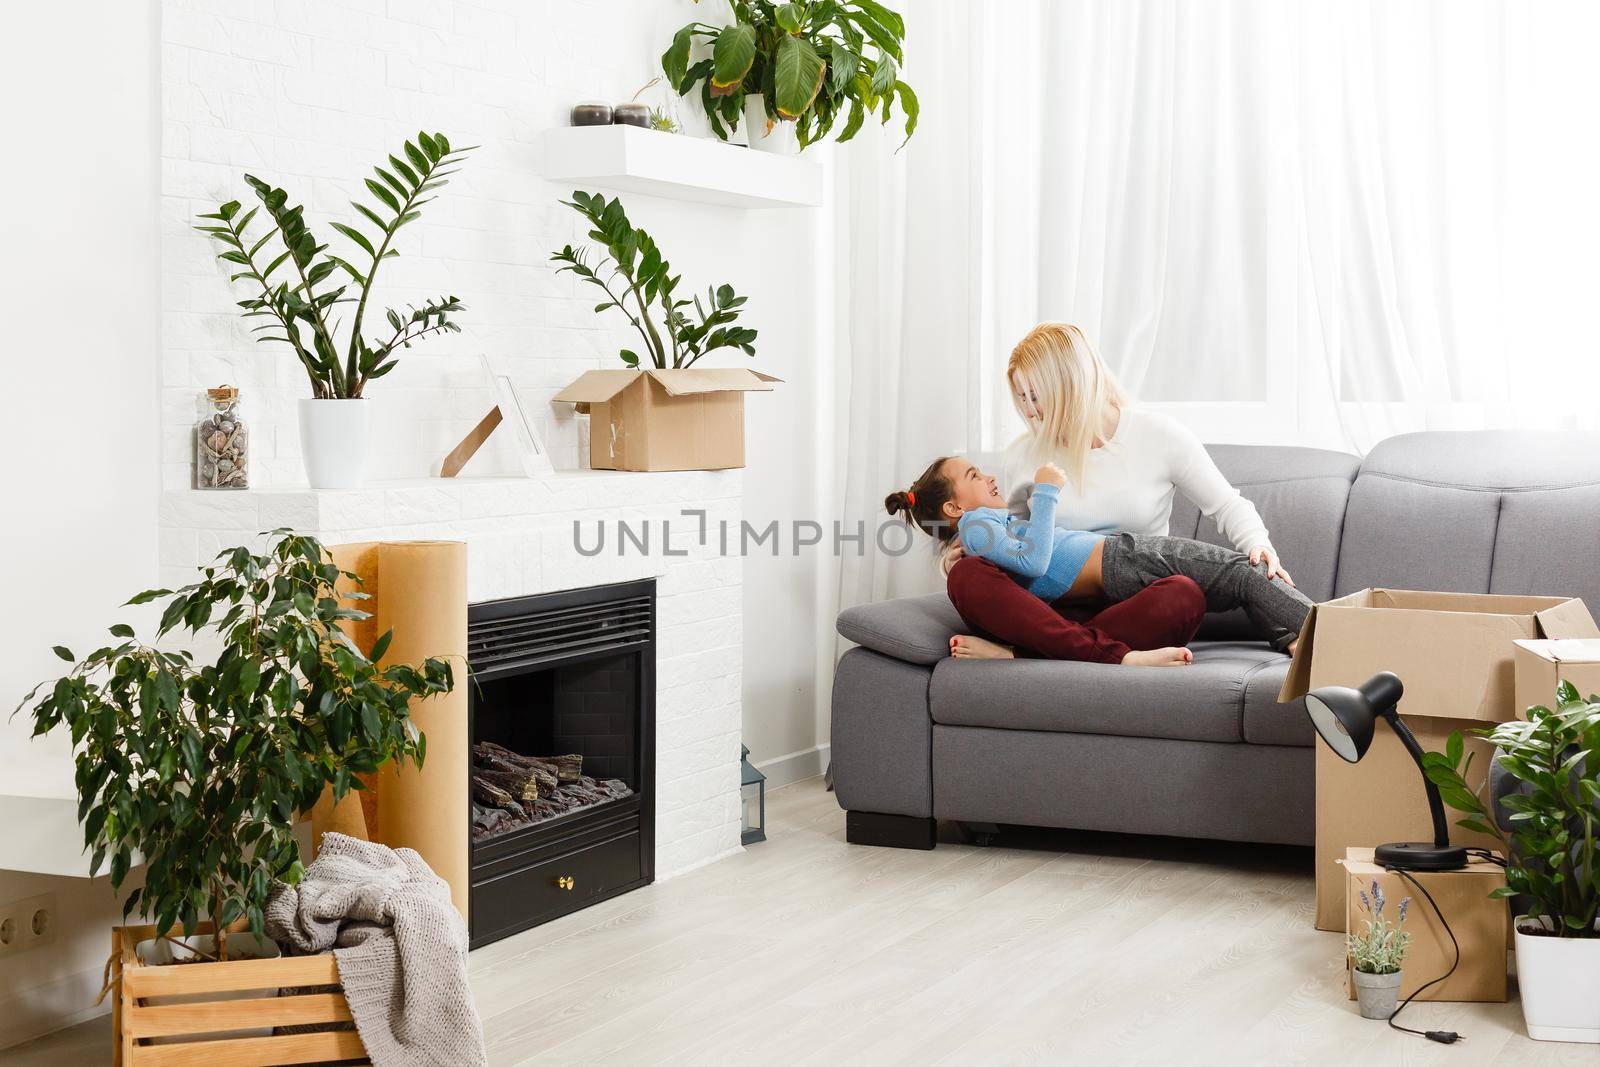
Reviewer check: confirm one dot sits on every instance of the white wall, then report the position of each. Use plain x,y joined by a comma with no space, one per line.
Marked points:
155,112
311,103
78,416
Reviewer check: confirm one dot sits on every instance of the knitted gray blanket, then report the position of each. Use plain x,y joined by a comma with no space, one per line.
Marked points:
400,945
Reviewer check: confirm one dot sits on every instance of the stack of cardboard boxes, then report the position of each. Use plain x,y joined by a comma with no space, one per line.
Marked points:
1468,661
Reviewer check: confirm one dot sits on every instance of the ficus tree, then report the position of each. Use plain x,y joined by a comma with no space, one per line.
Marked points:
638,281
203,768
297,286
811,61
1553,845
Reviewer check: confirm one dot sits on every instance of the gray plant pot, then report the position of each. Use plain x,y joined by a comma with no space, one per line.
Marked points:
1376,994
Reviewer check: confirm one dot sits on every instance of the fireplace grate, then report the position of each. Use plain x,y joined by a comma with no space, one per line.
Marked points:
527,641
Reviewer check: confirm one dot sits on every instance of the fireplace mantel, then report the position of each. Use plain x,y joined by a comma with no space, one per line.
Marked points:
520,542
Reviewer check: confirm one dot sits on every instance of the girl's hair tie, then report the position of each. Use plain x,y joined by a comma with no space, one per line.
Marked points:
912,497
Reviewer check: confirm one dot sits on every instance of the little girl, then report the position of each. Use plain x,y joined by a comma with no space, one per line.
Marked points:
954,498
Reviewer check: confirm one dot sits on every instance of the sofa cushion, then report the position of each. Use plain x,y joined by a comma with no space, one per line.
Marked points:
1493,511
915,629
1300,493
1205,701
1265,721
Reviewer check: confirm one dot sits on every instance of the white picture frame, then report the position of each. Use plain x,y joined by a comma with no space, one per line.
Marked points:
530,448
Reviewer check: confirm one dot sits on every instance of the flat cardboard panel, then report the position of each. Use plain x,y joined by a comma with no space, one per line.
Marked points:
691,381
1570,618
1478,923
1469,603
602,437
597,386
1381,799
1454,665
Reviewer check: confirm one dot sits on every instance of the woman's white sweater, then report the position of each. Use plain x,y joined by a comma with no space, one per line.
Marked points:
1129,482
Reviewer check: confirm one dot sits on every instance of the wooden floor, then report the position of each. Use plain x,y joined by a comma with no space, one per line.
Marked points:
1042,948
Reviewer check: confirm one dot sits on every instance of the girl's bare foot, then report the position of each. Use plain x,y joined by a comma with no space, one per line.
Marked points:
1159,657
968,647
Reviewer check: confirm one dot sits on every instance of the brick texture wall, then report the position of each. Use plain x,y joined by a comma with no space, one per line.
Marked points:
311,95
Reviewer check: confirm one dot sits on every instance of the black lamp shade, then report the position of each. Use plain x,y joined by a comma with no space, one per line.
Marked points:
1346,717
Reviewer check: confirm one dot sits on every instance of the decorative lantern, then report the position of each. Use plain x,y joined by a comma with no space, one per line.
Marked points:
753,800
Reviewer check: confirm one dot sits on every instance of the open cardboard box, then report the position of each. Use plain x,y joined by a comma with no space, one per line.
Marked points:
1453,652
665,420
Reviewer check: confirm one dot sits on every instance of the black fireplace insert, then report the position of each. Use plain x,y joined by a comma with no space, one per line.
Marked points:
562,720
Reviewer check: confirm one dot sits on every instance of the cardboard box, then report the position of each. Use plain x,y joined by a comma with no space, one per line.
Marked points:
1479,923
665,420
1453,651
1540,666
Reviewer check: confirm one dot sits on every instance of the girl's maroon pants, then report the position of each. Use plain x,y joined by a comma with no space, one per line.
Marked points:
1165,613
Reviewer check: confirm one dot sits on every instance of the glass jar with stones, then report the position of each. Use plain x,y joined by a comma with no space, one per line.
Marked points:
222,443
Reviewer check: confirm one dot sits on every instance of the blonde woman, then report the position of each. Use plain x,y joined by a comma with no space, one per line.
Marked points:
1123,465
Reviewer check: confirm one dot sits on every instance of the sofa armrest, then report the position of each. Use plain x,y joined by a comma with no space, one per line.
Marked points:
914,629
882,737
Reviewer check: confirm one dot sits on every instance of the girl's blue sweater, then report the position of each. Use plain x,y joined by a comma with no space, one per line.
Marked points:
1051,561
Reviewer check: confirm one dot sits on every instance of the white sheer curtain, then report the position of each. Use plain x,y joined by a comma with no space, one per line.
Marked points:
1316,222
1308,222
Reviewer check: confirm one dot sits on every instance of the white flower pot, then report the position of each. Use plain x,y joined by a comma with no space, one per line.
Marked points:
333,442
161,951
1559,978
765,135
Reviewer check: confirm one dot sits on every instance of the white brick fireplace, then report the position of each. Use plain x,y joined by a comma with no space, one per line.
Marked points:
520,541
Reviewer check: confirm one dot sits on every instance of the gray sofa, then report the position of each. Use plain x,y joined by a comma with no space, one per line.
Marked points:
1204,751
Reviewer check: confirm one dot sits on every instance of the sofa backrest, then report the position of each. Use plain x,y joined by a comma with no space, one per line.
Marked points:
1301,494
1487,511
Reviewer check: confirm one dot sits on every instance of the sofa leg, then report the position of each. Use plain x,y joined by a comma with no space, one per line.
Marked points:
891,831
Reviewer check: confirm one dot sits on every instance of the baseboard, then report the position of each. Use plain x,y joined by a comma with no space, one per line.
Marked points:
35,1011
795,766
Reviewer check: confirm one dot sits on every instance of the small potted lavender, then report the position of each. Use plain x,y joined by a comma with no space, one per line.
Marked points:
1376,954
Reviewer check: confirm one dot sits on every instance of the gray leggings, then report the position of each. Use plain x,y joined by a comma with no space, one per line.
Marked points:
1130,562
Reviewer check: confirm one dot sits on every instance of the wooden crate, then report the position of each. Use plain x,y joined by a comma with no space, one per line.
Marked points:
134,1021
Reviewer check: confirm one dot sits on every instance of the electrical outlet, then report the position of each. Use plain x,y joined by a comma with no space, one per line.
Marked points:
26,924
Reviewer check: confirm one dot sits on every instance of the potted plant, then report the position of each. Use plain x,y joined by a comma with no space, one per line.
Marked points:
1551,838
203,768
296,286
791,70
1376,954
673,415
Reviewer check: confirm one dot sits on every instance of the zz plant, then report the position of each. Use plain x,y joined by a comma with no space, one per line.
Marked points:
1552,852
203,767
810,61
293,286
638,281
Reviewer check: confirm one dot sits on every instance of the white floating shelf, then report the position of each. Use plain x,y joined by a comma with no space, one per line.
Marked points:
39,811
674,165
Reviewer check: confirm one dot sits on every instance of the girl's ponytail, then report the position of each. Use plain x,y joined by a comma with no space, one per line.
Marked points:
923,504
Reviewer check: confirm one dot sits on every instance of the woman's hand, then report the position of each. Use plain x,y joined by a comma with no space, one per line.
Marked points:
1050,474
952,555
1264,553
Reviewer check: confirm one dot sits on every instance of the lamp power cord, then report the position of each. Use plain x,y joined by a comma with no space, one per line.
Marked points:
1443,1037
